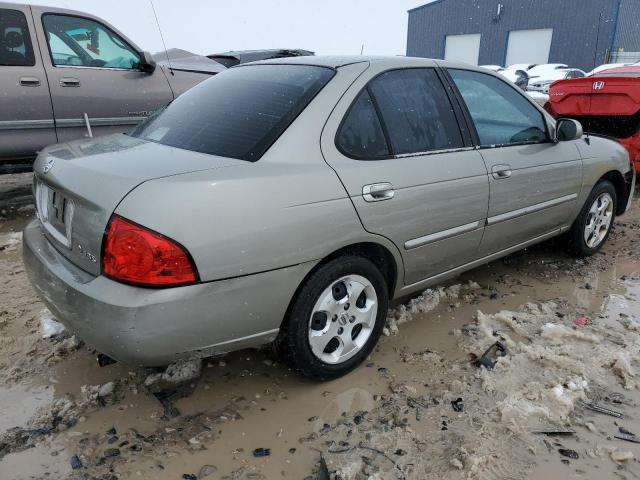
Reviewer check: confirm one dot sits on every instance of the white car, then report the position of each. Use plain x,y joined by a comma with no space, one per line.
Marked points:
540,79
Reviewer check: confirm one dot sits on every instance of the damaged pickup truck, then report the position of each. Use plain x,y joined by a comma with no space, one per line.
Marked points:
606,103
66,75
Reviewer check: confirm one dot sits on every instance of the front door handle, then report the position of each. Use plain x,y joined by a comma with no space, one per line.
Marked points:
378,192
500,172
30,81
69,82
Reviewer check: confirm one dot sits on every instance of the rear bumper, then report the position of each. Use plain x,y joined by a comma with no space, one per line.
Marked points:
155,327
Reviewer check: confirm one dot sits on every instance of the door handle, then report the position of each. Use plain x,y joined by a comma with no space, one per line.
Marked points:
500,172
378,192
69,82
30,81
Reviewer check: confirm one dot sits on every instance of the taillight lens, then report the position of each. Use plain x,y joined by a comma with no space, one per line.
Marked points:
137,255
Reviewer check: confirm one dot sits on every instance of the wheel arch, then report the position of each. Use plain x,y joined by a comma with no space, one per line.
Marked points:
617,179
380,255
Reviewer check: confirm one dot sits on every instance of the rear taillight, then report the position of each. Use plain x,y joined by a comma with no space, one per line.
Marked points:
134,254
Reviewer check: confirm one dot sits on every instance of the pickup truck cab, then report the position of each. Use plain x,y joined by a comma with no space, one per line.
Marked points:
66,75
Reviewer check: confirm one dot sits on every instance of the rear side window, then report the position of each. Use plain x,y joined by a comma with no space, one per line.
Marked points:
238,113
416,111
361,135
15,42
501,115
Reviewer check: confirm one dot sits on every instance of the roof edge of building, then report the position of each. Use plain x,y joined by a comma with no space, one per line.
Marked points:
419,7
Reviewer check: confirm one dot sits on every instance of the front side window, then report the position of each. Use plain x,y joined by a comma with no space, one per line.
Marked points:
81,42
15,42
416,111
501,115
238,113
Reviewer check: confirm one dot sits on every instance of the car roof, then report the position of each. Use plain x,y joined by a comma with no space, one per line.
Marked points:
382,61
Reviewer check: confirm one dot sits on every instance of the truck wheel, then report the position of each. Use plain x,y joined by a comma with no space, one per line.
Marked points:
336,318
592,227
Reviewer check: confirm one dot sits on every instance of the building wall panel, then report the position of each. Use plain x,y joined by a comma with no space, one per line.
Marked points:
583,29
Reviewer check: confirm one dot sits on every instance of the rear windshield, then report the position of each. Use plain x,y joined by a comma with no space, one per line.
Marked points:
238,113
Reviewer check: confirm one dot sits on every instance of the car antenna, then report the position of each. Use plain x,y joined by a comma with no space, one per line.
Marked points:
166,52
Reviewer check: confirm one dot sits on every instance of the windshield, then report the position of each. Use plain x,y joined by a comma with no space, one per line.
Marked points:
238,113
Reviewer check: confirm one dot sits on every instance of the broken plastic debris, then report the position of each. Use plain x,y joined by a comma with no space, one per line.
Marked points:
627,438
490,357
457,405
597,408
581,321
565,452
50,328
261,452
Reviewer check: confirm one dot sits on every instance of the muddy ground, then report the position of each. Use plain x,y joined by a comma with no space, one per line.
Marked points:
419,408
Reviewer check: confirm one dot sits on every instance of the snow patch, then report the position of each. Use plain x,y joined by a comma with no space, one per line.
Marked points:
48,326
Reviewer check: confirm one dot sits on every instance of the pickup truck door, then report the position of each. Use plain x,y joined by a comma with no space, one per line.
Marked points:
94,70
26,116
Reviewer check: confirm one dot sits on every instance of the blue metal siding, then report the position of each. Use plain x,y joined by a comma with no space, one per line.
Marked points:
583,30
628,29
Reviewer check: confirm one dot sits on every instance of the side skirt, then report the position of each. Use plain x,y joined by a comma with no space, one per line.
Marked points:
437,279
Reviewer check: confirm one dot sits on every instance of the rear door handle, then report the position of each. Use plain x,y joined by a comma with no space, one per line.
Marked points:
500,172
30,81
378,192
69,82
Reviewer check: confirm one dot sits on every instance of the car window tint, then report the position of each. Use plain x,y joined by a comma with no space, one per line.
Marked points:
238,113
416,111
501,115
361,134
15,43
77,41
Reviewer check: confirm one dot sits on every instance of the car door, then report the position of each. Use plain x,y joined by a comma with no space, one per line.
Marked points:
396,143
95,71
26,116
534,182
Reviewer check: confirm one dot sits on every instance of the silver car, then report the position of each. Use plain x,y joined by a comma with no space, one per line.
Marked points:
289,200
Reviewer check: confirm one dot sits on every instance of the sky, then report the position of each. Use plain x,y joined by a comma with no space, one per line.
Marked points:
326,27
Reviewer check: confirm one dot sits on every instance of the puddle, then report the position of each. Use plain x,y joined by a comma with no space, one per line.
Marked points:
20,402
43,461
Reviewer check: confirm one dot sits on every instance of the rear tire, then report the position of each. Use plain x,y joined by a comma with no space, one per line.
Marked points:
591,229
336,318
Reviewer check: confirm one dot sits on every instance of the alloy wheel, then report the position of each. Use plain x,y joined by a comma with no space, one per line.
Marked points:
343,319
598,220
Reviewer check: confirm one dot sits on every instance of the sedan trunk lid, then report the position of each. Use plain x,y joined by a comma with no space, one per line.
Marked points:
78,186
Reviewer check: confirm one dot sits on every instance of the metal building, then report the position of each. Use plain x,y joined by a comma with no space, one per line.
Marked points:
580,33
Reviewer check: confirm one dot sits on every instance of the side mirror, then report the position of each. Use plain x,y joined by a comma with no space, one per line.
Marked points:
567,130
147,63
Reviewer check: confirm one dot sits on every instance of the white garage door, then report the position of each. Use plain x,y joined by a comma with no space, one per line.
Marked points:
529,46
462,48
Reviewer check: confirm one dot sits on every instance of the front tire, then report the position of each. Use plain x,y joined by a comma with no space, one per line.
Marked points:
335,319
591,229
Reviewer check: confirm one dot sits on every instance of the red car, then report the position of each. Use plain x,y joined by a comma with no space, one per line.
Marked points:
606,103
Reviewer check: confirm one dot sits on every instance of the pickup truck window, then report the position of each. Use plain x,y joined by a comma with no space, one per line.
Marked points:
15,43
82,42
